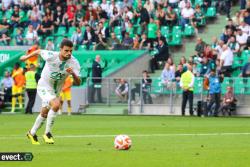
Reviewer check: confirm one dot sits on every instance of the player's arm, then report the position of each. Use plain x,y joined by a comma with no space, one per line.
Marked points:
25,57
77,79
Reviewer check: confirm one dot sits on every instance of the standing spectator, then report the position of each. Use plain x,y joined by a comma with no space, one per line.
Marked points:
66,94
122,91
17,88
7,83
58,17
97,80
145,86
31,84
226,61
31,36
205,67
171,17
149,5
187,84
214,93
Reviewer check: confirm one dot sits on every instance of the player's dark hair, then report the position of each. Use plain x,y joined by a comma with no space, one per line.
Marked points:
66,42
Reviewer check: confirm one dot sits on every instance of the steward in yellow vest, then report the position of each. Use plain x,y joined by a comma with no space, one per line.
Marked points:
187,83
31,84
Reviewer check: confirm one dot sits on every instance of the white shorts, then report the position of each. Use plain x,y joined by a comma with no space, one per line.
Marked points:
46,95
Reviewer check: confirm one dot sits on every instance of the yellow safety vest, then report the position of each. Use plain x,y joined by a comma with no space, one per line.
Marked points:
186,78
30,80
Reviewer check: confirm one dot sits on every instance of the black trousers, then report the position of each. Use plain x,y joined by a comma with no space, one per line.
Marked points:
7,94
145,95
214,99
32,97
95,90
187,96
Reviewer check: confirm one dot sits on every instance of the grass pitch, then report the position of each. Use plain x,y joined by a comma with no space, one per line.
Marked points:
157,141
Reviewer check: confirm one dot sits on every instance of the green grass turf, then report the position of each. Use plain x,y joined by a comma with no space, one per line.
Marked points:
215,150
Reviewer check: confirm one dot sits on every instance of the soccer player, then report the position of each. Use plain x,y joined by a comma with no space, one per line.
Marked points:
59,65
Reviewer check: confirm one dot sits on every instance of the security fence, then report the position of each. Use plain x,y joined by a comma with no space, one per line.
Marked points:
133,96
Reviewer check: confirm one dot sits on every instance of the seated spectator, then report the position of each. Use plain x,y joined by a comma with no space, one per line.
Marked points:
50,45
241,38
208,53
158,37
171,17
187,14
101,14
226,61
145,42
205,67
228,102
247,16
35,23
200,46
69,18
5,40
31,36
103,31
246,70
114,17
113,42
136,42
19,40
183,3
160,14
162,55
101,43
237,18
244,27
198,17
218,50
230,24
226,35
122,91
127,42
4,26
170,61
15,18
167,76
35,12
183,61
90,12
77,37
46,27
233,45
89,37
142,13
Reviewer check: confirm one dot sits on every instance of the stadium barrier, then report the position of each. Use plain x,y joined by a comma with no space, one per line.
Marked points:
156,99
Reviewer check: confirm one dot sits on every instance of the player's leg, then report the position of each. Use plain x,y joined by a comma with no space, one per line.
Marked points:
13,100
38,123
62,97
54,107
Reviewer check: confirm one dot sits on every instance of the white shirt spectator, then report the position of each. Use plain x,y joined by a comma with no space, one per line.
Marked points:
227,56
187,13
31,37
245,29
6,3
173,1
105,7
242,39
182,4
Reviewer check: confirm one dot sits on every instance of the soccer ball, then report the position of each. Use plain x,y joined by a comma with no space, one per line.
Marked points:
122,142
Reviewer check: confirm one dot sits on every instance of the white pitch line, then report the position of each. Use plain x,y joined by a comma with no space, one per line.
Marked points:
135,135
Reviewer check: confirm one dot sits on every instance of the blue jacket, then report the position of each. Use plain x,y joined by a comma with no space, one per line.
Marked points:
214,85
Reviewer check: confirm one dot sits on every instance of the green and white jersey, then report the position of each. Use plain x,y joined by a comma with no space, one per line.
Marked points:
54,72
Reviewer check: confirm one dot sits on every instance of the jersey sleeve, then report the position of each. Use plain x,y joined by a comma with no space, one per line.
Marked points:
47,55
76,68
